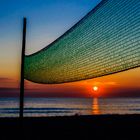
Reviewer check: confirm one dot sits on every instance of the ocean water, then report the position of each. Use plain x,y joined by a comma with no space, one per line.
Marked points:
43,107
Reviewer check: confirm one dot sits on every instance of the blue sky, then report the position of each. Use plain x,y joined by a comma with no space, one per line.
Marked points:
47,20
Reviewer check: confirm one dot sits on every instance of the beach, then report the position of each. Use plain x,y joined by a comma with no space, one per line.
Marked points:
72,127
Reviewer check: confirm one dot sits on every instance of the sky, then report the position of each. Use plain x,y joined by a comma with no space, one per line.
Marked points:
46,21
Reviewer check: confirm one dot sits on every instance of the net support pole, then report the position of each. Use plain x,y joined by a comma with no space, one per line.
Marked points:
22,69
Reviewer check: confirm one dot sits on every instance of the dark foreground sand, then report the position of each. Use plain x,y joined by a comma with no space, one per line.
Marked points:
75,127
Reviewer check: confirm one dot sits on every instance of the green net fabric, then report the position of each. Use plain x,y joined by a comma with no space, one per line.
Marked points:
105,41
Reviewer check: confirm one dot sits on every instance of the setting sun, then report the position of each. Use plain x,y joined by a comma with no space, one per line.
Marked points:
95,88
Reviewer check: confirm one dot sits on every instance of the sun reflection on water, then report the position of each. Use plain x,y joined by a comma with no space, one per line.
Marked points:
95,107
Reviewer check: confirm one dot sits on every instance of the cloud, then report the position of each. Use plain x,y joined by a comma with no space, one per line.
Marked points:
110,83
5,79
9,92
102,83
8,82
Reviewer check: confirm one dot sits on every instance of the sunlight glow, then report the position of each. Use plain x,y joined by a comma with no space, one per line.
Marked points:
95,88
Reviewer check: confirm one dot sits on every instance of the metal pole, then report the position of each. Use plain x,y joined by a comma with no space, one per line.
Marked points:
22,69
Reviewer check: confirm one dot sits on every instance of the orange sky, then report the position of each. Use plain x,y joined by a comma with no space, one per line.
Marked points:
108,85
10,76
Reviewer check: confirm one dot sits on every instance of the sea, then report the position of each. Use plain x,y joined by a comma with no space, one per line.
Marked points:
45,107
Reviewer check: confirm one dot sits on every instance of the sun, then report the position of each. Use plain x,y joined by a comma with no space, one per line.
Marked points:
95,88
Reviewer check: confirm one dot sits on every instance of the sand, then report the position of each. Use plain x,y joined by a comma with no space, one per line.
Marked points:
74,127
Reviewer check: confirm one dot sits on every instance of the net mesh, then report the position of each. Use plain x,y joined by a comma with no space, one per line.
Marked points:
105,41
